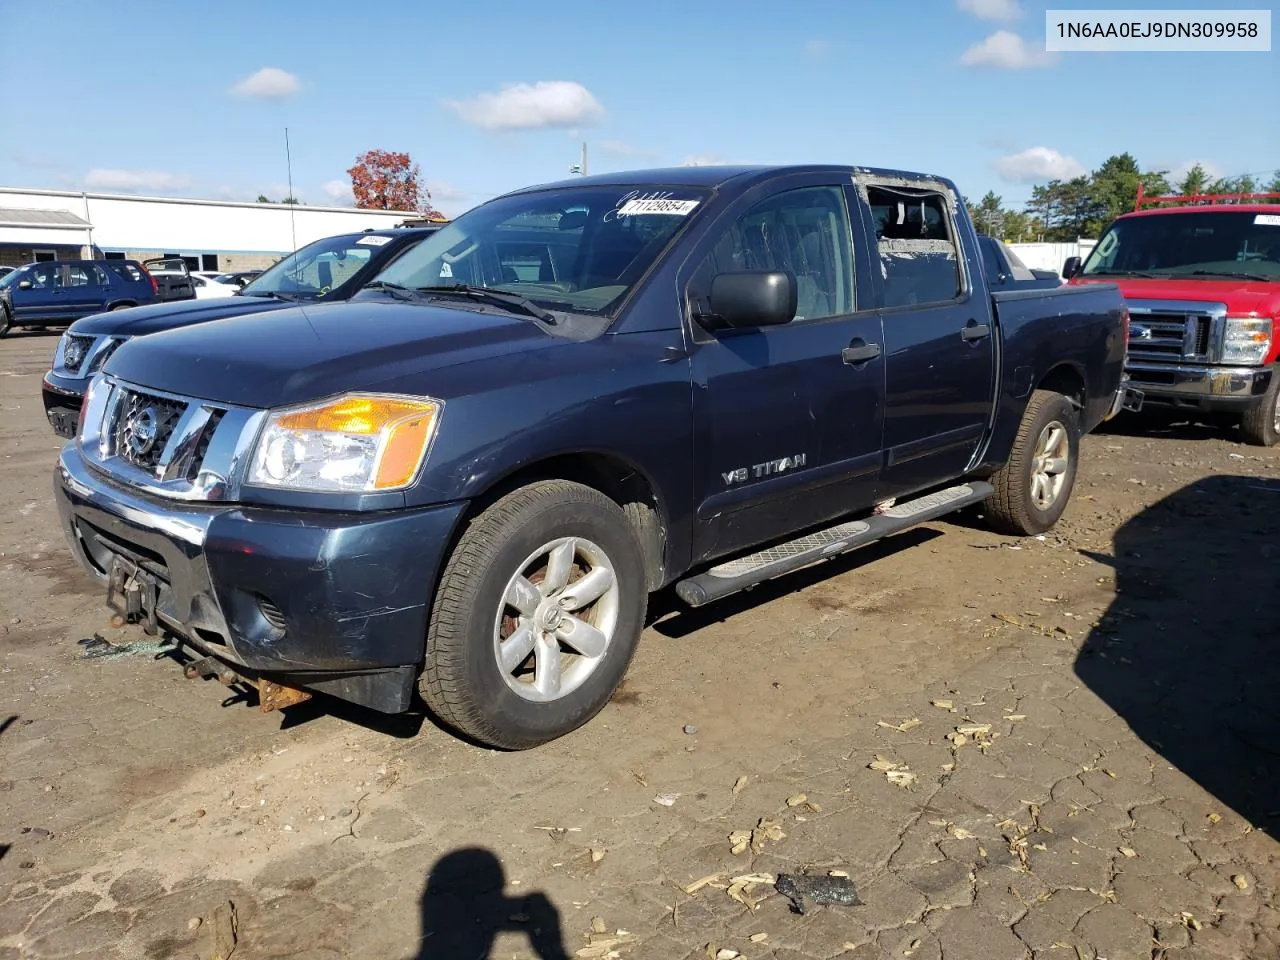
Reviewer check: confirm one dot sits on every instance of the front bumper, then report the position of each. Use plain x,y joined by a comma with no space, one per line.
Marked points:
1200,387
335,603
62,399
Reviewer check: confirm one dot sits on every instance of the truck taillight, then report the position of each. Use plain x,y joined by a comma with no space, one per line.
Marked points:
155,287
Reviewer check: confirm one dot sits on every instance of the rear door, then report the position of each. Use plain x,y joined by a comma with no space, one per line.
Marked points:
788,424
938,334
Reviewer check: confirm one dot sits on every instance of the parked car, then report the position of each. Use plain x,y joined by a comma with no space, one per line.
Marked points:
5,271
1203,287
1006,271
173,279
470,477
207,288
240,278
325,271
56,292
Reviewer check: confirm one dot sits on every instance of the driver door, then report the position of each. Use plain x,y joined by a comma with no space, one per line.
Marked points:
789,422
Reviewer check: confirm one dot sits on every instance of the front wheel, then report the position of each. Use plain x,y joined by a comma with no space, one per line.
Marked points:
536,617
6,321
1033,487
1260,426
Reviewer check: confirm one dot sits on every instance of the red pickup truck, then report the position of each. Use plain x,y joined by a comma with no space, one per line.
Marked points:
1202,281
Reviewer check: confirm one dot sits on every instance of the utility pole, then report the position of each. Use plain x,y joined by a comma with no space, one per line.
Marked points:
581,168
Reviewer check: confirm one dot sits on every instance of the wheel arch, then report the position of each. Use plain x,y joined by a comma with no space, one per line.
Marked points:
619,479
1067,379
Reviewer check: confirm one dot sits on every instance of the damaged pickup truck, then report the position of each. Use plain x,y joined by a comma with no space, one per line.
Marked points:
468,479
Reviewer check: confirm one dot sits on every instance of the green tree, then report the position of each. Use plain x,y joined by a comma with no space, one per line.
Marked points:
1195,181
262,198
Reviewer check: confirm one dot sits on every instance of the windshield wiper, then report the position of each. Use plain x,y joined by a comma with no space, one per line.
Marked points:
1231,274
512,301
1128,273
397,290
275,294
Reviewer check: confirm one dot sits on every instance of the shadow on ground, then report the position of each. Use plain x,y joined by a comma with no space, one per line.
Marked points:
1187,654
464,908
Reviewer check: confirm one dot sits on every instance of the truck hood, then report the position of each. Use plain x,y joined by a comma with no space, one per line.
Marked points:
306,353
140,321
1243,297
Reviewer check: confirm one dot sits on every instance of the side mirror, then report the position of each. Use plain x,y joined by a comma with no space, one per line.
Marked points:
1070,268
24,284
753,298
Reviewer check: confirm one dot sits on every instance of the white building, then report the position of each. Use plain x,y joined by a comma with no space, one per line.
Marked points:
210,234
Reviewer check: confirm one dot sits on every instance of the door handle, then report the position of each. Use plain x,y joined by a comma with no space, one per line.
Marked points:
859,351
975,331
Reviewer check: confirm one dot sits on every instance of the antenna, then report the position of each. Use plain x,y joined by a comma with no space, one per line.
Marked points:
293,225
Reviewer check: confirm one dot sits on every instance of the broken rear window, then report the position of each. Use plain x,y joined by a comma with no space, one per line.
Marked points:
916,244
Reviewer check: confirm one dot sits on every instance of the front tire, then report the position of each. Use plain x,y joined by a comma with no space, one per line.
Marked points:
1033,487
6,321
1260,426
536,617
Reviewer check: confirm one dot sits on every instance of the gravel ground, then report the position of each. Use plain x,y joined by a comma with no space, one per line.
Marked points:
1056,748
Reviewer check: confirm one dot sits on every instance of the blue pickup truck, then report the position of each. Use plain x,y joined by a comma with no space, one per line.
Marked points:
324,271
467,480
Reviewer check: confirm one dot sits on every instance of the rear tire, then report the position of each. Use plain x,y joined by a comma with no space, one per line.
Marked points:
1033,487
516,656
6,321
1260,426
119,306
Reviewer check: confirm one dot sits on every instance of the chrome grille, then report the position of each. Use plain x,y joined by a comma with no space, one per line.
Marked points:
1170,336
143,425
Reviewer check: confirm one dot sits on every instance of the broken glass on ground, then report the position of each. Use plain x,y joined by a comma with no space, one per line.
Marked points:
802,889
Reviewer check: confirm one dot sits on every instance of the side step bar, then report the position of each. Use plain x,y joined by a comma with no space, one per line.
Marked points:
735,575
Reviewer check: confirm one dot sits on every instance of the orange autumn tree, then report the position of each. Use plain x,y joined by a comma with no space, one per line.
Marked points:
387,180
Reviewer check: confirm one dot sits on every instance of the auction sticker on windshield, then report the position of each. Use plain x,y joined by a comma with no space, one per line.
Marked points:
374,241
1267,220
662,203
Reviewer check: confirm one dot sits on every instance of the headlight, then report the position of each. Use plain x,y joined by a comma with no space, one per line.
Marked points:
1246,339
356,443
73,350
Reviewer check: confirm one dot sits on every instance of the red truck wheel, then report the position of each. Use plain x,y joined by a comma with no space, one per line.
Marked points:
536,616
1033,488
1260,426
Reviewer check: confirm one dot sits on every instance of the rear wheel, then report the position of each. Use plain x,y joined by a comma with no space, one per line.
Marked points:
1260,426
1033,487
6,320
120,306
536,616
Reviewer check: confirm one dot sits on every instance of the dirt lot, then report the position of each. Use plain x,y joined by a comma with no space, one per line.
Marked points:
1077,739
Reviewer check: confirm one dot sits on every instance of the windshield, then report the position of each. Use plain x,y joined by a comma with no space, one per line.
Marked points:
319,268
9,279
576,249
1229,243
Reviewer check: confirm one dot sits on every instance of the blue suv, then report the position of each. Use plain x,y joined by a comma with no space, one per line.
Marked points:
56,292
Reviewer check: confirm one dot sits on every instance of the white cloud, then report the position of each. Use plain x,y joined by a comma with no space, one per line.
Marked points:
1037,165
339,191
817,49
37,161
619,148
134,181
269,83
446,191
1006,51
992,9
1178,171
527,106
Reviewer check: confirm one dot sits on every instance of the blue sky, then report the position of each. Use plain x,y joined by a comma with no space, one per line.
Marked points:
192,100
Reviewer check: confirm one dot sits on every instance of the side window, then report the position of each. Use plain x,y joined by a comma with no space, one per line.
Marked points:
805,231
45,276
77,276
917,246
